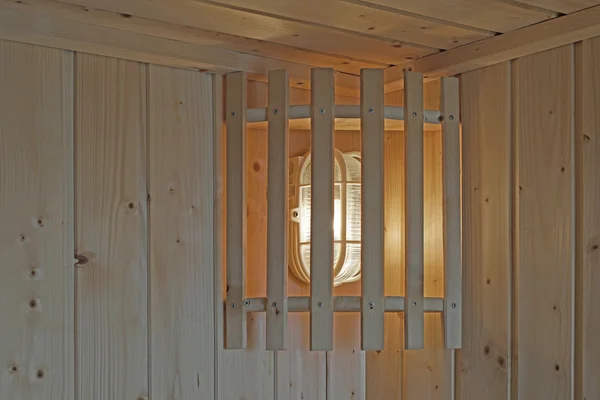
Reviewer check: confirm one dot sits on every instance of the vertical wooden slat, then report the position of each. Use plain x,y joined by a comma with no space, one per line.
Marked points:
588,139
321,258
180,159
482,364
111,217
371,114
545,254
235,326
36,210
277,218
449,107
413,150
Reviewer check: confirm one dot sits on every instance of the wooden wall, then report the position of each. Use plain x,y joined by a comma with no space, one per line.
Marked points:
107,174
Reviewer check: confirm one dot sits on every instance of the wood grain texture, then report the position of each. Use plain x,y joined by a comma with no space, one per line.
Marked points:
235,315
37,235
111,219
543,110
482,363
321,217
277,216
588,141
498,16
372,208
413,158
564,6
181,234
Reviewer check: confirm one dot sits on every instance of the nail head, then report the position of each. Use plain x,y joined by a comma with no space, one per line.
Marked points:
274,304
371,305
414,114
322,111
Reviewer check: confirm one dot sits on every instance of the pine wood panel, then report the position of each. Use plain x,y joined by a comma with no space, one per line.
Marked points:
563,6
181,258
543,108
493,15
262,27
482,363
111,223
37,236
408,29
588,139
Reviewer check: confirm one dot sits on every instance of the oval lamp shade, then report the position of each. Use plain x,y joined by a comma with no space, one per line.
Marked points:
346,223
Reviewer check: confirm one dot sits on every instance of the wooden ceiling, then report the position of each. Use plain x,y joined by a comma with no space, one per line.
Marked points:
257,35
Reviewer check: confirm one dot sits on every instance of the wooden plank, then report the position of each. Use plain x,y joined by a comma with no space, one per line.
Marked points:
451,156
482,363
189,34
384,368
321,257
393,304
563,6
413,156
588,145
22,23
181,233
235,334
37,235
543,95
264,27
372,250
532,39
111,215
354,17
277,217
497,16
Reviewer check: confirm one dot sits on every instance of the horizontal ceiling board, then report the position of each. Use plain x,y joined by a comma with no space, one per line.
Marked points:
366,20
563,6
233,22
190,35
25,25
492,15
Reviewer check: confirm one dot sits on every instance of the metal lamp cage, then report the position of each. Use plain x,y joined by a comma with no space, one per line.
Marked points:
325,211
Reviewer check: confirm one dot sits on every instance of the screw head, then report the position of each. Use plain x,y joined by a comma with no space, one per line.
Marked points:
371,111
233,305
233,113
322,111
295,214
451,117
414,303
276,111
371,305
414,114
246,303
274,304
453,305
319,304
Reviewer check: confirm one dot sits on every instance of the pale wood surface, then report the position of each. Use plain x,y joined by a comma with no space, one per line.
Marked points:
589,223
37,235
235,325
499,16
564,6
111,216
483,362
413,158
372,235
451,158
321,217
277,217
181,246
544,255
346,124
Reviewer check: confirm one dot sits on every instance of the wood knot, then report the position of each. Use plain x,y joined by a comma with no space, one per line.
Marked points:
501,361
486,350
256,167
586,138
33,303
131,205
124,15
557,367
39,374
81,260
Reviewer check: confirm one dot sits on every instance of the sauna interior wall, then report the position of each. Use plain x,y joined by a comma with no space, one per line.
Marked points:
107,281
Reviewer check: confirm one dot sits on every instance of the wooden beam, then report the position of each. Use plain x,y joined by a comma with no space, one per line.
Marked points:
557,32
321,219
371,118
414,218
235,334
277,217
68,27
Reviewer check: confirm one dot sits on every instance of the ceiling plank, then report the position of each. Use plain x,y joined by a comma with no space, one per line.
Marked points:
181,33
492,15
260,27
28,26
532,39
370,21
563,6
